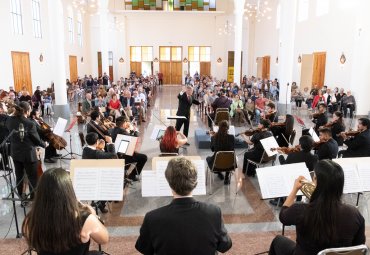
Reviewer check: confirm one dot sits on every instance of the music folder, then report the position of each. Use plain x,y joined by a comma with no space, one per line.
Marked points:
132,141
123,146
157,130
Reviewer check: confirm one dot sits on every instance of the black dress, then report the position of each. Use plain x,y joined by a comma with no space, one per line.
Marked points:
336,129
81,249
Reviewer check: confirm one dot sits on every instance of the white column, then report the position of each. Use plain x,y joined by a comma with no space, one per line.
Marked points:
238,38
286,48
104,35
360,75
57,52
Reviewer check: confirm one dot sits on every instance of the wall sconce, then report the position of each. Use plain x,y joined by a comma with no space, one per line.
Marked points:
299,59
185,60
41,58
121,60
155,60
277,60
342,59
219,60
82,59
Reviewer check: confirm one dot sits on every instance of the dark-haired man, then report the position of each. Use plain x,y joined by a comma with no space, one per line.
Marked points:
124,127
93,126
358,145
328,147
320,118
221,102
185,226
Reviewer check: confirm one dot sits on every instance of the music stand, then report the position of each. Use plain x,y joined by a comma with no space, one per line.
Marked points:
71,154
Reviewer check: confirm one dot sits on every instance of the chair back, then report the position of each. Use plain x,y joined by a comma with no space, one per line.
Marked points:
222,110
224,161
292,137
265,158
168,154
353,250
220,116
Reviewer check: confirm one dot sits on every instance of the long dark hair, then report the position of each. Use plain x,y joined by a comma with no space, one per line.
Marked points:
289,124
54,222
320,216
340,117
21,109
221,135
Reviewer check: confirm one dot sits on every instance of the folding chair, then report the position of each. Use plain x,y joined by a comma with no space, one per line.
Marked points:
168,154
220,116
353,250
265,159
225,161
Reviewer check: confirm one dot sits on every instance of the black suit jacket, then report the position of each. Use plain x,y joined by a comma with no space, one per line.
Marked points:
185,104
328,150
3,129
302,156
24,151
89,153
221,102
117,130
183,227
320,121
358,146
125,102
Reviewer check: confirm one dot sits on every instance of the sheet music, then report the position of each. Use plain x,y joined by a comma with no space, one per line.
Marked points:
60,127
352,182
231,130
161,186
278,181
314,135
363,168
99,184
269,143
156,130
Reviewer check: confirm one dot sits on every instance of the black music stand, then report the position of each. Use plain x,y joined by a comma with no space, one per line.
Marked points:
70,154
8,179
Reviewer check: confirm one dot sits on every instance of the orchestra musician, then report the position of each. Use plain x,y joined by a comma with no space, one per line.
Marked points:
271,112
95,125
186,100
320,118
221,102
50,151
221,141
95,150
23,147
358,145
172,140
327,148
57,222
325,222
337,126
4,163
283,130
124,127
257,151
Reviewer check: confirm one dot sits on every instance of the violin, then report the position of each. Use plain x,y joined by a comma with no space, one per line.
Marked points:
316,115
352,132
330,124
250,132
287,150
316,145
278,124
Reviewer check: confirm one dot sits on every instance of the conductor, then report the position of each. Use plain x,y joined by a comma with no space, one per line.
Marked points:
186,100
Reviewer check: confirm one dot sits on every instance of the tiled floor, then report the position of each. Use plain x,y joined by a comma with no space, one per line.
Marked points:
244,212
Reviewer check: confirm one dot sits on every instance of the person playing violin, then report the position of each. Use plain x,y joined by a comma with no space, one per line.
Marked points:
327,148
337,126
358,145
320,118
256,153
271,112
95,122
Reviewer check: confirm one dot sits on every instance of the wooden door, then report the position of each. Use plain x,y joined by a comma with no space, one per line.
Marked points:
135,67
111,73
319,62
100,66
266,67
165,69
205,68
259,67
22,71
73,73
176,72
306,71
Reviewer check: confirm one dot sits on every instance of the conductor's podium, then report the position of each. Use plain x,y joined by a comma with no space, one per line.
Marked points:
203,140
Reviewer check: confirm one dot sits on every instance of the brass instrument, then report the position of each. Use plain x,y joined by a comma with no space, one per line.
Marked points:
308,188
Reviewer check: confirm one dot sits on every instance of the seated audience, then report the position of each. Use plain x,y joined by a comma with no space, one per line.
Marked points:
348,102
115,106
221,141
58,223
172,140
325,222
185,226
236,110
221,102
358,145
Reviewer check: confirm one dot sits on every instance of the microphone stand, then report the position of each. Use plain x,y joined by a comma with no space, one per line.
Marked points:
286,99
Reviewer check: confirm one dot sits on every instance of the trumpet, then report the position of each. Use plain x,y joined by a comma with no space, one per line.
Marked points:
308,188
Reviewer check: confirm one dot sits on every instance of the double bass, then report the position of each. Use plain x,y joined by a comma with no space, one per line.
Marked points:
56,141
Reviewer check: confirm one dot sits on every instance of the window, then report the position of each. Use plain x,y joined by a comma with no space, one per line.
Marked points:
135,53
147,54
322,7
36,19
303,6
176,54
79,33
196,56
70,30
110,58
16,14
165,53
205,54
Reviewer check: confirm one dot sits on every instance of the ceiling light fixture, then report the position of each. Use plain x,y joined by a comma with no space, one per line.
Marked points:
259,10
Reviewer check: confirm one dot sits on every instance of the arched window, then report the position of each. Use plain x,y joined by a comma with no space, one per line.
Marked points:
70,25
16,14
36,19
79,29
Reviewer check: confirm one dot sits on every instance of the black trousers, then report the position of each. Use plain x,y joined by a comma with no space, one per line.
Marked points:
140,160
50,152
282,245
251,155
31,171
351,109
185,122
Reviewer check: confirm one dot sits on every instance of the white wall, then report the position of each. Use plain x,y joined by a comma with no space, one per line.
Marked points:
40,73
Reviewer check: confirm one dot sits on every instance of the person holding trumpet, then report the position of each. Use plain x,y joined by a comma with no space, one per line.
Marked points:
325,222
